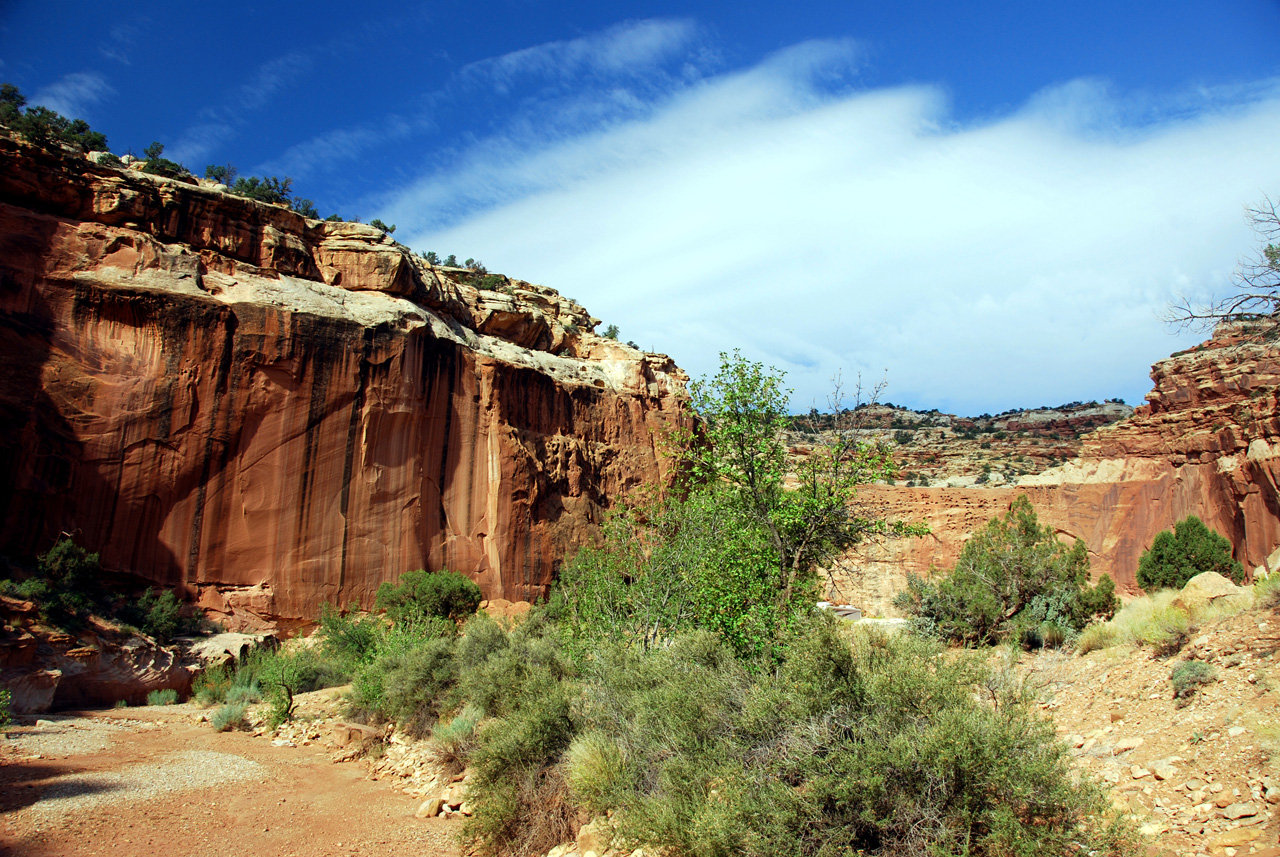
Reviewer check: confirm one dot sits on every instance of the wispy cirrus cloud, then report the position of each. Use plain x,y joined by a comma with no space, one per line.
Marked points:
556,87
120,42
73,95
821,226
220,123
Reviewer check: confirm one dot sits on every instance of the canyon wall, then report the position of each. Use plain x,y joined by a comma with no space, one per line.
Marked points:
1206,443
271,412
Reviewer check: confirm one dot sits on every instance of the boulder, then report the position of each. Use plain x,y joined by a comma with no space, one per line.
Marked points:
1204,589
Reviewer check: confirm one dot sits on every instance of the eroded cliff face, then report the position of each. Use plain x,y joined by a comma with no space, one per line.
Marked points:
272,412
1206,443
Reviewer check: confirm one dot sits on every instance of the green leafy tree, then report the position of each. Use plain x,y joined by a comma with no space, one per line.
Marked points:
426,594
451,261
1012,575
1190,549
743,408
736,550
611,332
432,257
378,224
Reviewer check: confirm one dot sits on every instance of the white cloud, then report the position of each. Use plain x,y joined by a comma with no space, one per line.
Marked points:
1019,261
73,94
633,48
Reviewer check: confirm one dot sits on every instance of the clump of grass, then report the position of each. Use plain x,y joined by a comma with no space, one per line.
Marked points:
1151,620
1266,591
228,717
121,703
1099,635
1188,677
166,696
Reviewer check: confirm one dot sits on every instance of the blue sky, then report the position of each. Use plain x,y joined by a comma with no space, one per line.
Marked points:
992,201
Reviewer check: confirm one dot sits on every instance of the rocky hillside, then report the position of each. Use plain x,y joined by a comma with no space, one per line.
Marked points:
1205,443
271,412
936,449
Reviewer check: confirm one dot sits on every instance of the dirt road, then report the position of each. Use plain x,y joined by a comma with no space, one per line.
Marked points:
153,781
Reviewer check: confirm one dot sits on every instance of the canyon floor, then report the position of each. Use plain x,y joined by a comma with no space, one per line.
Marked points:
140,782
1197,777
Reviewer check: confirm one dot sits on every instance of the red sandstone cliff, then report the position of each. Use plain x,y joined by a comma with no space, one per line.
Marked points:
1207,443
272,412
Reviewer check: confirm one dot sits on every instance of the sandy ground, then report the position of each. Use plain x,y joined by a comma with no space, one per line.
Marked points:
153,781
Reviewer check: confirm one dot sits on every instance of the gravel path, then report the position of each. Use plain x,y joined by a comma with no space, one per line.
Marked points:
144,782
177,772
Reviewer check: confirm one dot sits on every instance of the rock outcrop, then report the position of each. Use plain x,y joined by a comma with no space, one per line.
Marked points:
270,412
1206,443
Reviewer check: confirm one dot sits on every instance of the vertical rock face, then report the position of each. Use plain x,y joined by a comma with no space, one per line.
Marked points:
274,412
1206,443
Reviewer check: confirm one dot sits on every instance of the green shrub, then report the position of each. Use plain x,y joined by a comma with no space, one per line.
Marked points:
167,696
1190,549
228,717
378,224
210,686
347,642
424,594
1189,676
407,685
246,693
159,616
6,703
1012,578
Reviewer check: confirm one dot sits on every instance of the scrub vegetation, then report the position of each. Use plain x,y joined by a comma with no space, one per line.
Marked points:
679,680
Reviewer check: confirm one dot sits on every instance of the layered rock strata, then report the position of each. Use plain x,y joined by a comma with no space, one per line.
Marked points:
272,412
1206,443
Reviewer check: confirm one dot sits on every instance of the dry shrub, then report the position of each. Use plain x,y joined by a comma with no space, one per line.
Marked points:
525,813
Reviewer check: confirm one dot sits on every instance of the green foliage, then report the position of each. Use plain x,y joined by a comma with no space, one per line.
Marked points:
269,189
228,717
611,332
432,257
222,174
424,594
451,261
378,224
1190,549
161,166
305,207
167,696
1012,578
1189,676
45,127
345,641
158,616
491,282
6,703
65,587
